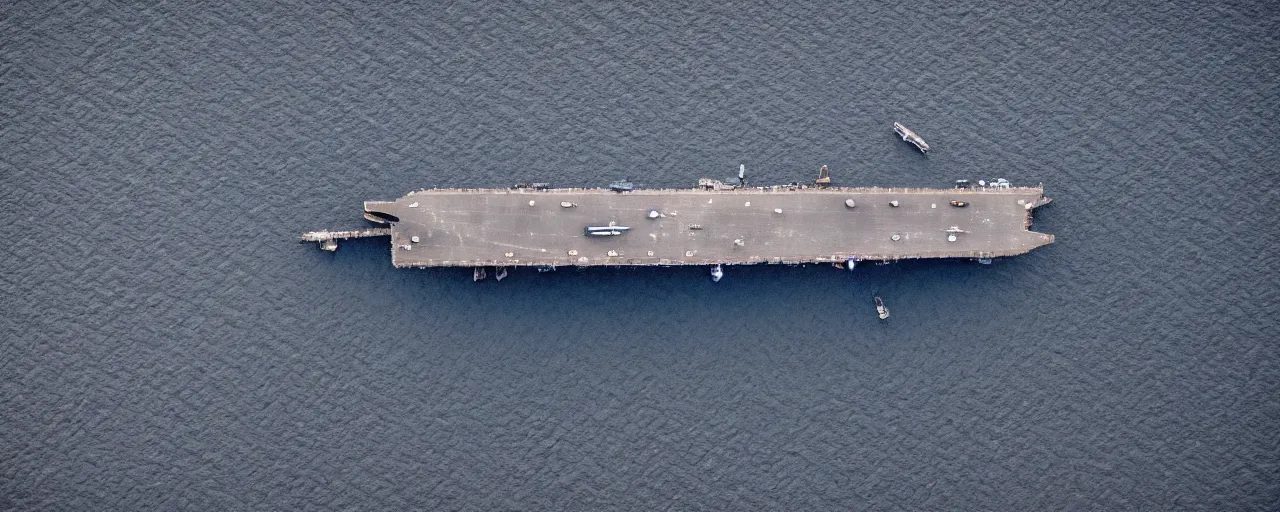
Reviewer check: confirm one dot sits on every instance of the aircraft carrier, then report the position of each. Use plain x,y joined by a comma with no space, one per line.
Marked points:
712,224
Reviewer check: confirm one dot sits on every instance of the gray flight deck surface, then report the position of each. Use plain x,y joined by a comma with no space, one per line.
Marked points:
500,227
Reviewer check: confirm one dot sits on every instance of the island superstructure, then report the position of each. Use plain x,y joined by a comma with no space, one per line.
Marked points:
712,224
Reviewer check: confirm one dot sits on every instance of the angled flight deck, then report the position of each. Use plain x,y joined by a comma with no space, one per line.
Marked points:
703,226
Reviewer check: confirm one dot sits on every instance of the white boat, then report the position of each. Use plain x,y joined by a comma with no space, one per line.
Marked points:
881,310
479,274
500,273
910,136
717,272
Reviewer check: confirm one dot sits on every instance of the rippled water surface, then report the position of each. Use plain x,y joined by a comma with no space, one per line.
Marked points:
167,345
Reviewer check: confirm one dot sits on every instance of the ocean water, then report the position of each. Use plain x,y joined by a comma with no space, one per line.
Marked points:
167,345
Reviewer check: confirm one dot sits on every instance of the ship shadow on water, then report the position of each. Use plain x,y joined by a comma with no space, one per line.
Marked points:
753,305
936,304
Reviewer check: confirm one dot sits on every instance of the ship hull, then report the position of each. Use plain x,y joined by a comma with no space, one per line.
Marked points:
524,227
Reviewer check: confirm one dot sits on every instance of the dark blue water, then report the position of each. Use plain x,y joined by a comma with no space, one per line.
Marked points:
167,345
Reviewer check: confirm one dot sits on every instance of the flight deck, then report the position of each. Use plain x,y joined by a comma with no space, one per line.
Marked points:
702,226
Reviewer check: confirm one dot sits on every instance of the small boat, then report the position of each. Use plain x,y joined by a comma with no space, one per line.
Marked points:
881,310
851,263
910,136
479,274
984,261
534,186
717,272
622,185
500,273
959,204
546,268
824,176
